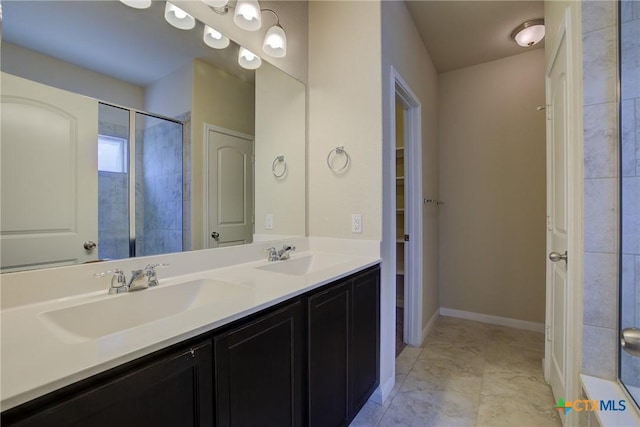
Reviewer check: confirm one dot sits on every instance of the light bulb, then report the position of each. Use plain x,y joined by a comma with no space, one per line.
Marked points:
275,42
247,15
248,59
137,4
214,38
216,3
178,17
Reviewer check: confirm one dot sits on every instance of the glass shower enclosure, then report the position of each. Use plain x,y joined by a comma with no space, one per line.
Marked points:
140,183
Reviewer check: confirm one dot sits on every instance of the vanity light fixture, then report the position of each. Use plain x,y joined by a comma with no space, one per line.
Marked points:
529,33
214,38
137,4
247,15
216,3
248,59
178,17
275,41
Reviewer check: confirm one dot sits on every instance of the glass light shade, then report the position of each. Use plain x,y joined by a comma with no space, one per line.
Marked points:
529,33
137,4
216,3
214,38
178,17
248,59
247,15
275,42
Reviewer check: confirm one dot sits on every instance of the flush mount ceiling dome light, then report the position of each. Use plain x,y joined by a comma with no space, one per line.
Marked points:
178,17
529,33
137,4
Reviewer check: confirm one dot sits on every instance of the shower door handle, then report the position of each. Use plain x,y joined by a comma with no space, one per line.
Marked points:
630,341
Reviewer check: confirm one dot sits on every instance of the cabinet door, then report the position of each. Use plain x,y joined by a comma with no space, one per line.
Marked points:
172,391
364,353
258,371
328,335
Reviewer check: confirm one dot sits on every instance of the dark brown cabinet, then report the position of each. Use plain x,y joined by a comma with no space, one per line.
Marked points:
343,349
258,371
175,390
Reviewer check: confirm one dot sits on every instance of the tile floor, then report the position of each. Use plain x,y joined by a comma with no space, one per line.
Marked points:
468,374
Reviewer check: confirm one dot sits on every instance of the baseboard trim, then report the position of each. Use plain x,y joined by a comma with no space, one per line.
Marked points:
493,320
430,325
383,391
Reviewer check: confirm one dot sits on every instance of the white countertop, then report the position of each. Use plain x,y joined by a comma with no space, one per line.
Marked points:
37,359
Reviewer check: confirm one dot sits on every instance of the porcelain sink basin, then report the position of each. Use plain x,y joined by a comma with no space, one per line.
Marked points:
117,313
304,265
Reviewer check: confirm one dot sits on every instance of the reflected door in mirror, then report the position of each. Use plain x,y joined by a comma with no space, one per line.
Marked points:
49,184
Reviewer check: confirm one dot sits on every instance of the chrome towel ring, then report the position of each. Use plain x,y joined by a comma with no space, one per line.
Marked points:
279,160
337,152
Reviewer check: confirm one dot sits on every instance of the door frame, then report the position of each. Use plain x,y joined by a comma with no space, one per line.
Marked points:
205,196
413,205
575,188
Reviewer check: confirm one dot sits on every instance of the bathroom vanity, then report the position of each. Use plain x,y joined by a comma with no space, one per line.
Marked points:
307,357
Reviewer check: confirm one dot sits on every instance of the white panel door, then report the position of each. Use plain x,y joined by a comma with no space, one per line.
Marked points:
49,175
556,357
229,188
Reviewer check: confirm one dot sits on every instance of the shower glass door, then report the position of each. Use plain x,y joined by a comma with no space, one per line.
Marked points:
629,366
140,184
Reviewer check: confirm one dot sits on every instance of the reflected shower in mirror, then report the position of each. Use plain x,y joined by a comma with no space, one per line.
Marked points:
107,53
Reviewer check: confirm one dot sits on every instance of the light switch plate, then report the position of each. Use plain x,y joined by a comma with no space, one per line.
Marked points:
268,221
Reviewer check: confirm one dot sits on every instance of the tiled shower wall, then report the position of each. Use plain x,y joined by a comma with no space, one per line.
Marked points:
600,317
630,84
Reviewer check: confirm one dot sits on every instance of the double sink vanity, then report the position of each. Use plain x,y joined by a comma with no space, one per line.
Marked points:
226,338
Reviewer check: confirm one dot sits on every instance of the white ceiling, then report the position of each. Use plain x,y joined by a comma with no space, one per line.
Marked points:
459,34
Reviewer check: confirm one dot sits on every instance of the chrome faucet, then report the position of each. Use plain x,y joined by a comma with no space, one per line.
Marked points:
280,255
140,279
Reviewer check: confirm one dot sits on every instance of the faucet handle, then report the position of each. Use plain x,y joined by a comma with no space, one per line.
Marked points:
118,280
152,276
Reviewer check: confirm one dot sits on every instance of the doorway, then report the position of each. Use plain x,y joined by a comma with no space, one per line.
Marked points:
406,211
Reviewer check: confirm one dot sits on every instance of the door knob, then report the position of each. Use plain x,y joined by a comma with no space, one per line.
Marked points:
630,341
215,235
89,245
557,256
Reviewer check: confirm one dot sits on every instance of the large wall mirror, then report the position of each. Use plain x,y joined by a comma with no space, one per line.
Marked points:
124,136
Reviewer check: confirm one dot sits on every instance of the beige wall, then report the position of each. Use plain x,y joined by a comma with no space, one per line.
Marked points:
171,95
345,110
219,99
492,180
280,131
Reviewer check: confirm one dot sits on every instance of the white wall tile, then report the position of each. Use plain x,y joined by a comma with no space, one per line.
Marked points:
599,66
600,215
597,15
600,352
601,290
601,140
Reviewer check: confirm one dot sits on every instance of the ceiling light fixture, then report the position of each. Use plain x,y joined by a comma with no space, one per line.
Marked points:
216,3
275,41
137,4
248,59
178,17
247,15
214,38
529,33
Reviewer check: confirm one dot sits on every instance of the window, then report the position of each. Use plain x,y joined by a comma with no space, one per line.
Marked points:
112,154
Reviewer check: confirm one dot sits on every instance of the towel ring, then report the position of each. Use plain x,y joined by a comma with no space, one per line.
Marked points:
276,161
337,151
